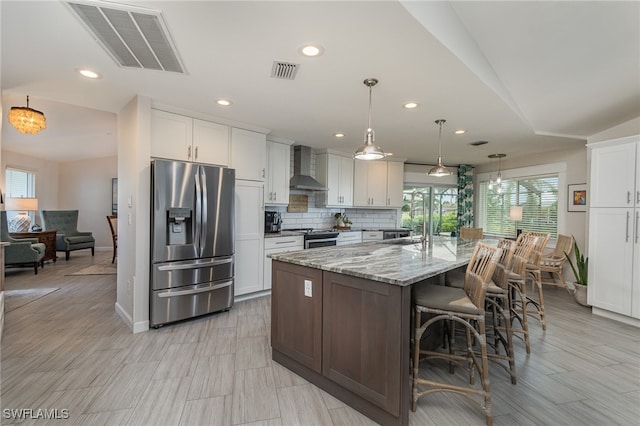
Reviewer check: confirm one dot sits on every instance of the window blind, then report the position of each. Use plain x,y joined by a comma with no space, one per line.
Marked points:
538,197
20,183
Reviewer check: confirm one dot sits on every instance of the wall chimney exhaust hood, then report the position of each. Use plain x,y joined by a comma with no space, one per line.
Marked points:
302,171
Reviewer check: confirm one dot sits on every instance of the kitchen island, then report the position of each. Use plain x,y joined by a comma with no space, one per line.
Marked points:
340,317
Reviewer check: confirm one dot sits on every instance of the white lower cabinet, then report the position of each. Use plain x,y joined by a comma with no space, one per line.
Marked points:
372,236
249,237
350,237
275,245
611,260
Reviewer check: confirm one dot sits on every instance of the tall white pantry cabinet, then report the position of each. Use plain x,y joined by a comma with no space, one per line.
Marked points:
614,228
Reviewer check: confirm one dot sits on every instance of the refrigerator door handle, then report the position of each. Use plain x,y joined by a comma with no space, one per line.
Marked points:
204,208
214,262
198,228
195,291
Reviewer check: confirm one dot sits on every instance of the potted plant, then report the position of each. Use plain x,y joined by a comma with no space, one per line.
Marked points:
580,269
342,221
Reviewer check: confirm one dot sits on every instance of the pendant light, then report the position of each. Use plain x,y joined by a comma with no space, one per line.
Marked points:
27,120
499,157
440,170
369,151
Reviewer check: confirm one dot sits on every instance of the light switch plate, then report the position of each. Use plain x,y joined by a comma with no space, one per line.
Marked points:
308,288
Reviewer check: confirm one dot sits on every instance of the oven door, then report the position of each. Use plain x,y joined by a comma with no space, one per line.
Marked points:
309,244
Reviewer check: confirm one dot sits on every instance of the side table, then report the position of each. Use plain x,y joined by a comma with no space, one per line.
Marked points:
48,238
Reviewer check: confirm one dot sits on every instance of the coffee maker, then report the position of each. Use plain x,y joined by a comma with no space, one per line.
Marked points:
272,222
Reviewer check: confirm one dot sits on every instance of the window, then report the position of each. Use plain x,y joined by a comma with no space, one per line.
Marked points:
440,215
20,183
538,197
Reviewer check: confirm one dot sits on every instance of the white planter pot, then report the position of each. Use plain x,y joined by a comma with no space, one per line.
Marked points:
580,294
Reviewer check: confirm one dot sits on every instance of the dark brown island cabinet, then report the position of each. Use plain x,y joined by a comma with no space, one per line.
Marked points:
347,335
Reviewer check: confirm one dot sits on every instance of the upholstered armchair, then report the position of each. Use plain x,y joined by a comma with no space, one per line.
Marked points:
24,251
68,238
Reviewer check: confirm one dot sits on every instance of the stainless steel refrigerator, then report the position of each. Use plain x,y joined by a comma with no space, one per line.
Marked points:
192,240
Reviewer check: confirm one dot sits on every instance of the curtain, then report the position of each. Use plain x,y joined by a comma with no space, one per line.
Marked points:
465,196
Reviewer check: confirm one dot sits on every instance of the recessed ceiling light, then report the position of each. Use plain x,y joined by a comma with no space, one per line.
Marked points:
89,73
223,102
338,135
460,132
311,50
411,105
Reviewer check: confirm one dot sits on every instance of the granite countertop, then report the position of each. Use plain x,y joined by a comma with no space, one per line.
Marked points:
399,261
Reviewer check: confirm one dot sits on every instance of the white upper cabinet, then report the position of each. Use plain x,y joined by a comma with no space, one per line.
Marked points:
178,137
171,135
276,188
395,183
613,171
210,143
335,171
248,154
370,184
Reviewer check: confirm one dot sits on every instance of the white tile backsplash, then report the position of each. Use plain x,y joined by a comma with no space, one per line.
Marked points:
323,218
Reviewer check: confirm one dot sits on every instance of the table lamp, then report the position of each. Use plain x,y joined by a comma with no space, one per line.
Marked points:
515,214
21,222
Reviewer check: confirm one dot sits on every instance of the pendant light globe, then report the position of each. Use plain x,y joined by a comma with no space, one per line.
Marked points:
440,170
369,151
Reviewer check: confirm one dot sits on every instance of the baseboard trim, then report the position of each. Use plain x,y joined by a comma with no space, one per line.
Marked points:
140,327
616,317
249,296
136,327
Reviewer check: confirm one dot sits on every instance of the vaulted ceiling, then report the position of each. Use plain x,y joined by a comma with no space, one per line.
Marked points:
525,76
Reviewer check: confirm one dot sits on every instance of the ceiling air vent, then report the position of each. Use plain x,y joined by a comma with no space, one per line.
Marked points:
284,70
134,37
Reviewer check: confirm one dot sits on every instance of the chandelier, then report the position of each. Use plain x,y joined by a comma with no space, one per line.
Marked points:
27,120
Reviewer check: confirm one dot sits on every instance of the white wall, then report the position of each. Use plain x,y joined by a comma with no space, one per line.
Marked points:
83,185
628,128
134,125
46,177
86,186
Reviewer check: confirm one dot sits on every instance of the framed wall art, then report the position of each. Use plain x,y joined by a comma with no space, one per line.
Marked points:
577,201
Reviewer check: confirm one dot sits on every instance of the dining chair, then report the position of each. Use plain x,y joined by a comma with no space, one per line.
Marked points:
553,262
471,233
113,226
464,306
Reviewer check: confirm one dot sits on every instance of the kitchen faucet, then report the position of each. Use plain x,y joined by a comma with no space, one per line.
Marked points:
423,238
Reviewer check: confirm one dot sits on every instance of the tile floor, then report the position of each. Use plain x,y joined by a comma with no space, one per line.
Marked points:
69,350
